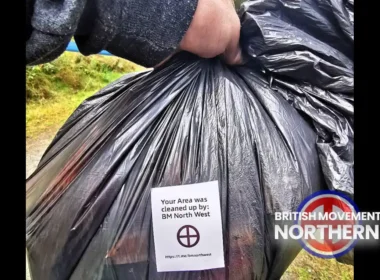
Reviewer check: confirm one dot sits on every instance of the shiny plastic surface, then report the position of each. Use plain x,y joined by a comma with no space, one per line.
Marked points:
271,132
306,49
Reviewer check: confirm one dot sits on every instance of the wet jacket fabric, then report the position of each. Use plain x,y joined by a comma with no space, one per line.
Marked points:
143,31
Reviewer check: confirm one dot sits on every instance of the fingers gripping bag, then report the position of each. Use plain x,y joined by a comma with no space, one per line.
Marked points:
270,132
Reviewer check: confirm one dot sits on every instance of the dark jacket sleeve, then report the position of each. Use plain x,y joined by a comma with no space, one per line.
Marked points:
143,31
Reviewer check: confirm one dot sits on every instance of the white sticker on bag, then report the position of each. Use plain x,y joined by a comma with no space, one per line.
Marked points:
187,227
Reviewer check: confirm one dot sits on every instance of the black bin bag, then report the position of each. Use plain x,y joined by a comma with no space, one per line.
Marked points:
271,132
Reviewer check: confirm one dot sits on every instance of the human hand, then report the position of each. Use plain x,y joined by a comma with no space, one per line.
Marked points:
214,30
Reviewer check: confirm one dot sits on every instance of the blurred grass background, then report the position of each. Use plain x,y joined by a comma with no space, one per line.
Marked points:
55,89
308,267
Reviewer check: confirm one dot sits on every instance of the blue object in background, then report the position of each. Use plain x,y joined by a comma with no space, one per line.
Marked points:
72,47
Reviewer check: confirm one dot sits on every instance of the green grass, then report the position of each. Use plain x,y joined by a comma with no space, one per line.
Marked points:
308,267
54,90
46,114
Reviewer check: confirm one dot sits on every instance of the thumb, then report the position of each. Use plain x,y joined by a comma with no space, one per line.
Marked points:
233,53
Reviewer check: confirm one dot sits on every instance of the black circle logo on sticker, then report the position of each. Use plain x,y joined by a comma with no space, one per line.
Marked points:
188,236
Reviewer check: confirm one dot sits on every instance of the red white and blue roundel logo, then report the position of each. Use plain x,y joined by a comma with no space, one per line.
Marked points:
329,210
